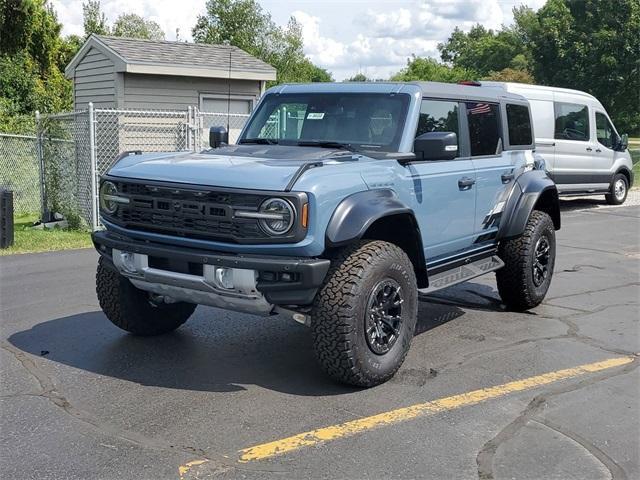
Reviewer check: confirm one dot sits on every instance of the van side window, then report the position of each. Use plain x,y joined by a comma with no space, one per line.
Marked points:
484,130
572,121
604,131
519,124
438,116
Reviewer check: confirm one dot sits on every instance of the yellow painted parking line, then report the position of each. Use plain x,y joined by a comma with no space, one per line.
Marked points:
184,469
321,435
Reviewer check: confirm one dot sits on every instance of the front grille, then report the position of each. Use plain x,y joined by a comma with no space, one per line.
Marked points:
188,212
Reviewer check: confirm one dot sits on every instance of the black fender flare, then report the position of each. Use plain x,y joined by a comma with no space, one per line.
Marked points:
356,213
527,191
627,173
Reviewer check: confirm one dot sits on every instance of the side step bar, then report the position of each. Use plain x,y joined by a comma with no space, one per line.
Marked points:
462,273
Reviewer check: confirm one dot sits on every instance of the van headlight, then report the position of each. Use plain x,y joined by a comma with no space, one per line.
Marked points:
276,216
109,198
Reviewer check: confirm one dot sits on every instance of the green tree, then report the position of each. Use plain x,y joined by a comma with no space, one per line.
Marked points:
590,45
134,26
359,77
94,20
420,68
510,75
32,56
244,24
483,50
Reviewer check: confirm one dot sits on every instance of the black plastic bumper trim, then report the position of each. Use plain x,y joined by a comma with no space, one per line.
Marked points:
312,271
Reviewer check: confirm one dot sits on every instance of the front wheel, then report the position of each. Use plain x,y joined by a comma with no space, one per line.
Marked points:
131,309
618,191
365,314
528,264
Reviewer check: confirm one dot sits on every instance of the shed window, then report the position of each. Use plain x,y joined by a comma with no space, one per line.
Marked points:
519,124
484,128
572,121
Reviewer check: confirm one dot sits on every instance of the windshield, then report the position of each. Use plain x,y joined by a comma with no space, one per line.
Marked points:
357,121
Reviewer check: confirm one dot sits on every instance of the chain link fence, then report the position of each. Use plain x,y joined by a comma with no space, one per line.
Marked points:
56,170
20,171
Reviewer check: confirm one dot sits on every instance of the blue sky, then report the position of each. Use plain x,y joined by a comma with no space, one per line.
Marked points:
374,37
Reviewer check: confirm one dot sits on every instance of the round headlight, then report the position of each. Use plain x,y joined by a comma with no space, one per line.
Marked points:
278,216
108,191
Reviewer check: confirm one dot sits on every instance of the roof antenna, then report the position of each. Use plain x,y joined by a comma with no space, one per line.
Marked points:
229,93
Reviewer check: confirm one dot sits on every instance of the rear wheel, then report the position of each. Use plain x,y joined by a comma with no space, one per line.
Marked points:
364,316
131,309
528,263
618,190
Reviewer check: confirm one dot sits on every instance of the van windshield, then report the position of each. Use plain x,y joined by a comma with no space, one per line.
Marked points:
356,121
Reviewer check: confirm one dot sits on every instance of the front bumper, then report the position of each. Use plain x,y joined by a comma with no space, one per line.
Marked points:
186,274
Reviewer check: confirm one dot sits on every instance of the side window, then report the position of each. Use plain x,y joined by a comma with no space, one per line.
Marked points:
519,124
484,128
572,121
604,130
438,116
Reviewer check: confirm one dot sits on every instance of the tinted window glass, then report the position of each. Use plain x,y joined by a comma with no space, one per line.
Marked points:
519,124
604,130
438,116
484,131
572,121
367,121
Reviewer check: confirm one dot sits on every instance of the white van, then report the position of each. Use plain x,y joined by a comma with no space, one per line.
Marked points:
584,153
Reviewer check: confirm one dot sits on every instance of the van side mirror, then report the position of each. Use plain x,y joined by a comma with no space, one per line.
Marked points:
623,143
218,136
436,146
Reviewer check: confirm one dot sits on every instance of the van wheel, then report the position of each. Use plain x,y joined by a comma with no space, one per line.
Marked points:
131,309
528,264
364,315
618,190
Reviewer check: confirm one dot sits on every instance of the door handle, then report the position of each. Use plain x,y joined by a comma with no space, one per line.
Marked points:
465,183
589,149
507,177
598,150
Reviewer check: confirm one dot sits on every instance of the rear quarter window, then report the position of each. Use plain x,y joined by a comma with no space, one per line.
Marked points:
519,125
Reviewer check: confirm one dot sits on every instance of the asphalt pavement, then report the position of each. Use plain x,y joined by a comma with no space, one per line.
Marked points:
484,393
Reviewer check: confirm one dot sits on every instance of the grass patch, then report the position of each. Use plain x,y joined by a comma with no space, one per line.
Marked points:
30,240
635,158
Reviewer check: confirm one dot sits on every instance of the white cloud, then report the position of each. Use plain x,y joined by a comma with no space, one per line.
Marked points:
338,35
169,14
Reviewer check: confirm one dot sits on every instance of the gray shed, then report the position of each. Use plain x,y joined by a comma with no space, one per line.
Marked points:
126,73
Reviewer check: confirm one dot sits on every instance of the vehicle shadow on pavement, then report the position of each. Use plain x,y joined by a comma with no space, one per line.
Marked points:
215,351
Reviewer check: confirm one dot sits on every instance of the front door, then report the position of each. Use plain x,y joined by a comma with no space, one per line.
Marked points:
575,146
444,192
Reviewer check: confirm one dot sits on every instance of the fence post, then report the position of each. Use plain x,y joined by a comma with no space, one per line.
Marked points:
92,159
44,211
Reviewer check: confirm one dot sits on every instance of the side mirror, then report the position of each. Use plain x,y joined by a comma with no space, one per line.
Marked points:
623,143
436,146
218,136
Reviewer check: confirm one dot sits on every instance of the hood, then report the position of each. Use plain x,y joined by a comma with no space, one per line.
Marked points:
260,167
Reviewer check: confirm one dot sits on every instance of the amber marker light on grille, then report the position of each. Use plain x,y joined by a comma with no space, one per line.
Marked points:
305,215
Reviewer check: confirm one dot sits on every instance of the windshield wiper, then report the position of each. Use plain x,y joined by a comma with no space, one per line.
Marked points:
260,141
326,144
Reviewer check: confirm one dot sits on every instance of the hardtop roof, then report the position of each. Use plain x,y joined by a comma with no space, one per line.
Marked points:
425,89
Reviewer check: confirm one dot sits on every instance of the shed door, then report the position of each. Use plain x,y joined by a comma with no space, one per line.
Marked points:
223,105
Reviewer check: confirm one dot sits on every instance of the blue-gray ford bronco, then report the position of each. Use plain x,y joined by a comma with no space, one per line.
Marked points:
337,206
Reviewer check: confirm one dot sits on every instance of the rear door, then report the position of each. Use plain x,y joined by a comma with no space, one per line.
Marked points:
444,191
494,168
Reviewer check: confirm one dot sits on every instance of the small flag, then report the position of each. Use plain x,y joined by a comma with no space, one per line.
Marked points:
479,108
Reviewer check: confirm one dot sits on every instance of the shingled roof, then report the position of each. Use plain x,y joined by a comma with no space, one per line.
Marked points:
175,58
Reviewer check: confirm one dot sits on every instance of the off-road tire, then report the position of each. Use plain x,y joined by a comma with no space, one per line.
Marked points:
338,314
515,280
611,197
130,309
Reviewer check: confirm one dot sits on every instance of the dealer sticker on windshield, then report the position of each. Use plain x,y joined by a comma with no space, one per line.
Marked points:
315,116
